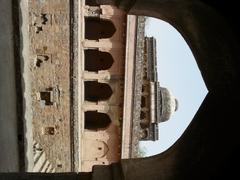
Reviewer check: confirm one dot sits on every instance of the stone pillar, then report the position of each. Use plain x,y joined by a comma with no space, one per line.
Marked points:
101,75
94,107
102,43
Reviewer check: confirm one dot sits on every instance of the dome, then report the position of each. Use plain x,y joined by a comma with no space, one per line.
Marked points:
169,104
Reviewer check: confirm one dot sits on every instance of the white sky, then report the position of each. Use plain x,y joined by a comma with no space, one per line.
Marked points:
177,71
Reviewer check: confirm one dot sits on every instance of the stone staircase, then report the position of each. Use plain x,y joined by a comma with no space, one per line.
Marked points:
41,164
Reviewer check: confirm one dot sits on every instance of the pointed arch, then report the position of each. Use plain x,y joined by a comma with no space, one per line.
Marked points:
95,120
96,28
96,60
92,3
95,91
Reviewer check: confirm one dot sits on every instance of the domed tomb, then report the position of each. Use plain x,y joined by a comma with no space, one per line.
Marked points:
168,103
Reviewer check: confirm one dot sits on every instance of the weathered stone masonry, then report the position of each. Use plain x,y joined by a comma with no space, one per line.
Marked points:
49,65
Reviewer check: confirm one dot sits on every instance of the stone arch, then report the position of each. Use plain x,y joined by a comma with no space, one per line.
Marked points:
92,3
204,151
95,120
143,115
143,101
144,124
96,28
95,91
96,60
94,149
201,24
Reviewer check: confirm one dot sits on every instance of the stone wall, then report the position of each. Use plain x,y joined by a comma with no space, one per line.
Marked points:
102,145
49,64
138,80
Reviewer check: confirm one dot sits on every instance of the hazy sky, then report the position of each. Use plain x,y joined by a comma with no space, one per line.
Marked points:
177,71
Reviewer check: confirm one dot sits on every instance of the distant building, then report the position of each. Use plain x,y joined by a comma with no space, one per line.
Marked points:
157,103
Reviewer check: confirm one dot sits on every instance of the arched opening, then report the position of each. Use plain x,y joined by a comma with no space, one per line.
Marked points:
173,74
91,2
212,159
142,115
95,91
96,60
95,120
144,124
143,102
96,28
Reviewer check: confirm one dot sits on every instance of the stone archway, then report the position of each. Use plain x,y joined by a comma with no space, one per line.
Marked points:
95,120
209,148
92,3
96,28
95,91
143,101
96,60
199,153
94,149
